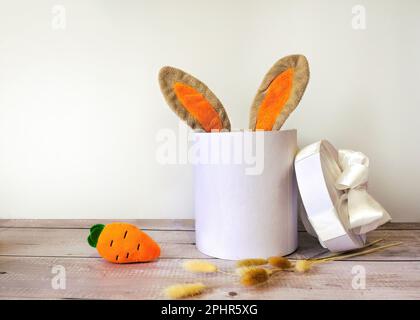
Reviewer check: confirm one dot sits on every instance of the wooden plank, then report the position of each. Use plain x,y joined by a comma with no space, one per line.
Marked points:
97,279
36,242
72,243
145,224
400,226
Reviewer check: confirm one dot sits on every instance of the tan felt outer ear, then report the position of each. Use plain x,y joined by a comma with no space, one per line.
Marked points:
169,77
300,67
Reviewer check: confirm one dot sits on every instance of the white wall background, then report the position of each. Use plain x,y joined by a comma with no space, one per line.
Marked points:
80,107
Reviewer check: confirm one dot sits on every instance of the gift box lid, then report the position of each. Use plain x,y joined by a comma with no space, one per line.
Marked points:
328,180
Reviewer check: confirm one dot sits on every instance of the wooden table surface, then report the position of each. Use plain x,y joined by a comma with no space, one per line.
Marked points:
29,250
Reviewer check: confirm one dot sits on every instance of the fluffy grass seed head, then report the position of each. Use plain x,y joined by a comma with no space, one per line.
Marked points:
279,262
199,266
303,265
179,291
242,270
254,276
251,262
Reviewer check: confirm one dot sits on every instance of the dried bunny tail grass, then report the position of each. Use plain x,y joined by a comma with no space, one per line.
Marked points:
352,251
356,254
254,276
279,262
303,265
251,262
242,270
179,291
199,266
306,265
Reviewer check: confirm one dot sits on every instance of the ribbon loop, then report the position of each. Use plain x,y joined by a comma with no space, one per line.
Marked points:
352,177
347,158
364,212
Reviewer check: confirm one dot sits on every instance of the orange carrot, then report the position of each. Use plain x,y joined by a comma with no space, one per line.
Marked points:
123,243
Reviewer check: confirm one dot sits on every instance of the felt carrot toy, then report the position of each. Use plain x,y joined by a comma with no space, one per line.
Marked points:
123,243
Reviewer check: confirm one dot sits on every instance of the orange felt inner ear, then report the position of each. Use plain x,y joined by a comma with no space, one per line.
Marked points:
274,101
198,107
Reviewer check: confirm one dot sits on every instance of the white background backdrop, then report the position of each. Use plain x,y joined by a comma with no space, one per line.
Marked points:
80,107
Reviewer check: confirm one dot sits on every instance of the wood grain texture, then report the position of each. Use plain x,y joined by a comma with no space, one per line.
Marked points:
34,242
30,248
146,224
97,279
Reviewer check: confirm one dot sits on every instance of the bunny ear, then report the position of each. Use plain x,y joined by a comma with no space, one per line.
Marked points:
279,93
192,100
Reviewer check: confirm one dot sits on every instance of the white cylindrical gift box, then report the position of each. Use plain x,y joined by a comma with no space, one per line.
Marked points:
245,206
317,170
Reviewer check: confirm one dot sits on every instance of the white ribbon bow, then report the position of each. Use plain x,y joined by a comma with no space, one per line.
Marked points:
364,213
